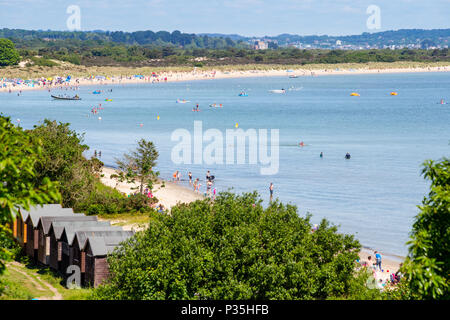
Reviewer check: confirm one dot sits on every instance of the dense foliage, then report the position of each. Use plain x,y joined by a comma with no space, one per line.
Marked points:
62,160
19,152
233,248
427,268
8,53
159,56
148,37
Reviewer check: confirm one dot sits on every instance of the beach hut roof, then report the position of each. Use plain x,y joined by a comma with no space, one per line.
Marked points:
48,220
102,246
69,228
84,234
36,213
44,207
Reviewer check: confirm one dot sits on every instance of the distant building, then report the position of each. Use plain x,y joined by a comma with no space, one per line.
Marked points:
260,45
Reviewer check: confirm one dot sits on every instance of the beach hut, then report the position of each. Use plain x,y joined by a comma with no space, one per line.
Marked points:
79,242
96,250
32,221
55,232
19,226
66,239
43,229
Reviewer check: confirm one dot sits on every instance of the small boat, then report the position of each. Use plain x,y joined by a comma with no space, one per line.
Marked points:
108,99
215,105
182,101
293,76
278,91
394,93
96,92
243,94
76,97
354,94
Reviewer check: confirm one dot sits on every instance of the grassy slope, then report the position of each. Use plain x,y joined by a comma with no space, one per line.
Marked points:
20,287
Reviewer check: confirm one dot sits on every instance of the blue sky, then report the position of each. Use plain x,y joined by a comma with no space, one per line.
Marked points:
245,17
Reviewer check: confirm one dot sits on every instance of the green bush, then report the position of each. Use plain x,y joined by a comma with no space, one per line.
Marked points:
234,248
106,200
43,62
8,53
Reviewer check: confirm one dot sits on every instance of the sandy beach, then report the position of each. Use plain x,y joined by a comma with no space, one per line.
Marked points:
390,264
169,195
145,76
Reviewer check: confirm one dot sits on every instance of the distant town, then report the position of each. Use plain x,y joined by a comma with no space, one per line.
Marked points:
400,39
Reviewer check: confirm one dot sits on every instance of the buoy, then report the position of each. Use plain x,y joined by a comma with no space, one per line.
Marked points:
141,124
157,118
99,118
237,125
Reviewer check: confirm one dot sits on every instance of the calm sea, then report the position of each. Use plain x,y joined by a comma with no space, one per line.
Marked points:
374,195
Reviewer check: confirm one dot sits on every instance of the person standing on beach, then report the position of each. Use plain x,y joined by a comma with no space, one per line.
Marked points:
100,154
95,153
190,177
271,191
208,188
378,260
207,175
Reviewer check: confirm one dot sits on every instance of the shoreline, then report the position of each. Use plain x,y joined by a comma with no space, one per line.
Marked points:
210,74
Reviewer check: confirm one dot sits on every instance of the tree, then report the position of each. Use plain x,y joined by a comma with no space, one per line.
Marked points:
138,166
233,248
19,186
8,53
62,160
427,268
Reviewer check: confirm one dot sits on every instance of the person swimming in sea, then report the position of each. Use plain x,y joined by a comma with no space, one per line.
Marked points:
321,154
347,156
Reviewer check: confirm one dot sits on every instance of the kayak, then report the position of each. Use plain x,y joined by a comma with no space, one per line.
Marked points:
278,91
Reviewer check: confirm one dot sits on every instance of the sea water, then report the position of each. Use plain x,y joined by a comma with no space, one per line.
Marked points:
374,195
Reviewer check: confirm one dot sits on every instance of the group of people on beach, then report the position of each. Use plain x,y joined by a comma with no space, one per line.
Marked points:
158,206
97,155
195,183
375,266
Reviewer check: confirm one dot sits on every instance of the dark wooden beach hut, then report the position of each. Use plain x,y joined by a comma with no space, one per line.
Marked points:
66,239
55,233
96,265
43,228
32,221
79,242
